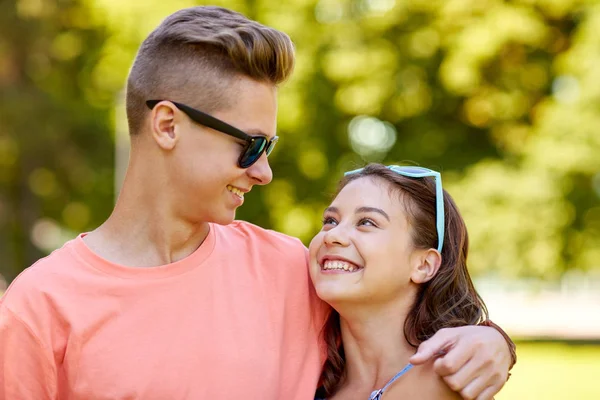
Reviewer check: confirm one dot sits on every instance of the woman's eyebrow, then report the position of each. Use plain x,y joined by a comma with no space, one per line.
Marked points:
332,210
372,209
359,210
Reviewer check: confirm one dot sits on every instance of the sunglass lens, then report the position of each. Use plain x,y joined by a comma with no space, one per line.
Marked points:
253,152
271,146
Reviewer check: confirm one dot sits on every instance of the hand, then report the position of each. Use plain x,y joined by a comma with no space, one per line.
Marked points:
472,360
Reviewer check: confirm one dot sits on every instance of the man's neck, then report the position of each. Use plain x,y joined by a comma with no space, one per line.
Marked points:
144,231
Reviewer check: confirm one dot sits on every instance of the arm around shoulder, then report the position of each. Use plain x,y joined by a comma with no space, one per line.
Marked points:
27,369
512,347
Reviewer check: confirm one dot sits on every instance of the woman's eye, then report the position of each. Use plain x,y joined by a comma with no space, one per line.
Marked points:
366,222
329,221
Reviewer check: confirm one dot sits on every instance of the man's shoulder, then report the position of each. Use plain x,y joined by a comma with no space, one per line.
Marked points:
262,244
35,281
247,230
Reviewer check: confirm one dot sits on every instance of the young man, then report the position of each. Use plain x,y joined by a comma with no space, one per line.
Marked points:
171,298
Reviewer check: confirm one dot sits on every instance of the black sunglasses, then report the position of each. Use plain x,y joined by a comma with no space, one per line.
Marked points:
256,145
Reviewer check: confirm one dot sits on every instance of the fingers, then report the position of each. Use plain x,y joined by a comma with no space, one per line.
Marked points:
489,393
473,364
438,344
470,371
457,360
474,390
467,383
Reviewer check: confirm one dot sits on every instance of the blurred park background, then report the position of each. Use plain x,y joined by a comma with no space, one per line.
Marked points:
503,97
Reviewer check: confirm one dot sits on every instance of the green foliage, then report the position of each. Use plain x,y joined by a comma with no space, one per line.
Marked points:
56,151
501,97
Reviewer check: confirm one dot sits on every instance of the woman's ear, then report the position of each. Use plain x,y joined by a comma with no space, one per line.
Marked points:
426,265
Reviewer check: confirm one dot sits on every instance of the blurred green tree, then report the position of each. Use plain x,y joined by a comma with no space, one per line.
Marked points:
56,147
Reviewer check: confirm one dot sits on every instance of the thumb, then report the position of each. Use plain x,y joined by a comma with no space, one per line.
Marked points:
435,346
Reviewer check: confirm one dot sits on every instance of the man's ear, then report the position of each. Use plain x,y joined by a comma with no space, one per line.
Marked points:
163,123
426,264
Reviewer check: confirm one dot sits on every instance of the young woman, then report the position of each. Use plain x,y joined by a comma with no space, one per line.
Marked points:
391,261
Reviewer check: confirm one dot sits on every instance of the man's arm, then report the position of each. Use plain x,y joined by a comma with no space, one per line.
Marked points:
472,360
26,367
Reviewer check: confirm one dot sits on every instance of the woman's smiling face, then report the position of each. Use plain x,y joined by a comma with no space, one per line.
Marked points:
364,251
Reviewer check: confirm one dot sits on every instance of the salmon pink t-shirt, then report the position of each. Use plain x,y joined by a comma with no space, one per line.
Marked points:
237,319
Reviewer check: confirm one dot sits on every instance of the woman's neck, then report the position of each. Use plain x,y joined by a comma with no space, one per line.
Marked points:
374,343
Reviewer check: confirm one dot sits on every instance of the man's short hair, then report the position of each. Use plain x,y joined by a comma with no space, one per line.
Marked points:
194,56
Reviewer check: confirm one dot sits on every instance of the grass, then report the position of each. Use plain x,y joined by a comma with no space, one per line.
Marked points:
553,371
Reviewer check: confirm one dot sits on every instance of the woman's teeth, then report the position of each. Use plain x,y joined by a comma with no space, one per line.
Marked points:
235,191
341,265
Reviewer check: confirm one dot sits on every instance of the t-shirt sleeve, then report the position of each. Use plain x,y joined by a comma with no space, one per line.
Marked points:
26,367
320,312
320,309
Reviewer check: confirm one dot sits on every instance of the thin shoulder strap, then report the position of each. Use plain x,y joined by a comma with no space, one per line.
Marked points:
376,395
398,375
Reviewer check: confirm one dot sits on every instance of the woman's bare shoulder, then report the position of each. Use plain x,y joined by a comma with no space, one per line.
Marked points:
428,385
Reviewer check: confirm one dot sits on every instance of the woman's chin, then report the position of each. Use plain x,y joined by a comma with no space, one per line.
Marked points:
335,293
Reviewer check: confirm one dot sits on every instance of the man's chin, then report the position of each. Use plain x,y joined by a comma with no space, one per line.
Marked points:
224,219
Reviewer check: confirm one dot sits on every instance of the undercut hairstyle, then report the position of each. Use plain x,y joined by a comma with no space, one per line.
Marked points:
195,56
448,300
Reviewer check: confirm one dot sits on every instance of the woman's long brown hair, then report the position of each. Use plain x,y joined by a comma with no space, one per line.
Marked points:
449,299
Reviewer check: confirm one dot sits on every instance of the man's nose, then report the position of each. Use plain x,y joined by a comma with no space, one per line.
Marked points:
260,171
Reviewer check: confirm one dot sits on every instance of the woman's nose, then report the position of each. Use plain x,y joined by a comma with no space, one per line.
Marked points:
336,236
